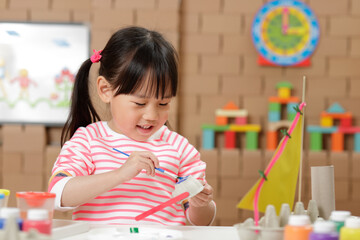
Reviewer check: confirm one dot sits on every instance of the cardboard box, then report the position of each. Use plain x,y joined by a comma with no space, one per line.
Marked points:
230,163
54,135
211,157
226,208
317,158
12,163
34,138
252,162
34,163
342,190
13,136
355,166
51,154
341,163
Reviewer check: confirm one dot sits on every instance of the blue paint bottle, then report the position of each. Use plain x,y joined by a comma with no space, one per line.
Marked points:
8,212
324,230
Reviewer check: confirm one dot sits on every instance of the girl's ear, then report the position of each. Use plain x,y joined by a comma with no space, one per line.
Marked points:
104,90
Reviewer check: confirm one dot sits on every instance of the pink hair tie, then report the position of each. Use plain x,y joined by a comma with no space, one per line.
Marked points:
96,56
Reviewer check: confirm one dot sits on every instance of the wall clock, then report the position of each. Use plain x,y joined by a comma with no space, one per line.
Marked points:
285,33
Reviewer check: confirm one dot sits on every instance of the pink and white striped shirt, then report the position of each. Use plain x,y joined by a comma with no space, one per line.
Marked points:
90,151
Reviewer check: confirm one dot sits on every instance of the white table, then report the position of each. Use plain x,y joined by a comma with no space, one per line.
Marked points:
74,230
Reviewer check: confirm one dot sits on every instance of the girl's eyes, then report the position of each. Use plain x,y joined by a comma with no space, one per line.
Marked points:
143,104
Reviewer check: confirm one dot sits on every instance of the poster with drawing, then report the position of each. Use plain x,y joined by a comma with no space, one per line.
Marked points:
38,64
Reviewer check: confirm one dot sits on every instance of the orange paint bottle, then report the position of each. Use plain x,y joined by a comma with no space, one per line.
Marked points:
298,228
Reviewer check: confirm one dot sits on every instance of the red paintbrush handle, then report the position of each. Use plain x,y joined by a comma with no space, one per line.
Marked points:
161,206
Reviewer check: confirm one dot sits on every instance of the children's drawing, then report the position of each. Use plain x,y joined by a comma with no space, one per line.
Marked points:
38,64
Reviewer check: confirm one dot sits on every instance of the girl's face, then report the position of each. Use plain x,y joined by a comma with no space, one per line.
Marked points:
137,115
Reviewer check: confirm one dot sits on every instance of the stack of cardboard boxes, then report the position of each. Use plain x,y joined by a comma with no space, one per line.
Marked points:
27,154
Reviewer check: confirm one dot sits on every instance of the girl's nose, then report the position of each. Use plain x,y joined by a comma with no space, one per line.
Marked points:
151,114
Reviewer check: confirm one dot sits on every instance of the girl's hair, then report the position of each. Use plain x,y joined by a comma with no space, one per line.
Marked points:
131,57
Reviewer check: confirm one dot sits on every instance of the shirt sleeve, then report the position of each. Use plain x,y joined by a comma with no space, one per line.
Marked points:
73,160
190,162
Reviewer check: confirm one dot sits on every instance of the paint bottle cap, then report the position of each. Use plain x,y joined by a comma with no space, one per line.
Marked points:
352,222
37,214
9,212
299,220
324,227
339,216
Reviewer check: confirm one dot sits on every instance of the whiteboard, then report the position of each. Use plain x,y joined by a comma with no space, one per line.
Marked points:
38,65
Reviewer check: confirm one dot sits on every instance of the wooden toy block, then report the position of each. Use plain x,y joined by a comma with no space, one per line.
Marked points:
345,122
229,163
326,121
341,163
291,116
284,92
251,164
271,140
357,142
313,128
274,107
337,142
290,107
336,115
208,139
284,84
284,100
216,128
251,140
349,130
316,141
231,113
221,120
274,116
241,120
230,139
274,126
211,158
245,128
230,106
335,108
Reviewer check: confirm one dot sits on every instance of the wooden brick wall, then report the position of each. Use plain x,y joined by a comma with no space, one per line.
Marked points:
218,64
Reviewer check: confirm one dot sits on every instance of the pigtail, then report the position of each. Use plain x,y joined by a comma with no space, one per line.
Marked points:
82,112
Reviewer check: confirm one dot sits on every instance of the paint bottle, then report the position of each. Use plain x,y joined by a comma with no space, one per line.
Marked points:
38,219
339,217
298,228
8,212
324,230
351,229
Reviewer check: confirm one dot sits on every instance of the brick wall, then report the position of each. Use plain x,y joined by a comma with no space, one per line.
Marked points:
217,65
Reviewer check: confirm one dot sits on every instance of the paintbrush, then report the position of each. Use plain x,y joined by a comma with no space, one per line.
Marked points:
159,169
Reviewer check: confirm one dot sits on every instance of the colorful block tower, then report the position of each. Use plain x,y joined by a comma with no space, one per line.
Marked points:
231,120
276,106
335,114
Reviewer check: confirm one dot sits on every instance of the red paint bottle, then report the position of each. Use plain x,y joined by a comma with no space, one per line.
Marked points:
38,219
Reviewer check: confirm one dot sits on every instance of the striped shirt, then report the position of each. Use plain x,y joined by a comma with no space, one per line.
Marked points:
90,151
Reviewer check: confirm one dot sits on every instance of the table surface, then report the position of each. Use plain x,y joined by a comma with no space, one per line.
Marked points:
75,230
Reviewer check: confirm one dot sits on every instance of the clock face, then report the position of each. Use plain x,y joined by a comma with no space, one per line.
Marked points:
285,32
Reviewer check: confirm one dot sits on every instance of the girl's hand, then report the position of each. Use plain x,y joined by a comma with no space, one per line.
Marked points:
203,198
137,162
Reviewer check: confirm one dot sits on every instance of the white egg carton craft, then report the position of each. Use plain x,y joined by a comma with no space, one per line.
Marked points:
271,226
188,184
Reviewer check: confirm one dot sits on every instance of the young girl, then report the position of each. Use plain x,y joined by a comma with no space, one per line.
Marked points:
137,78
